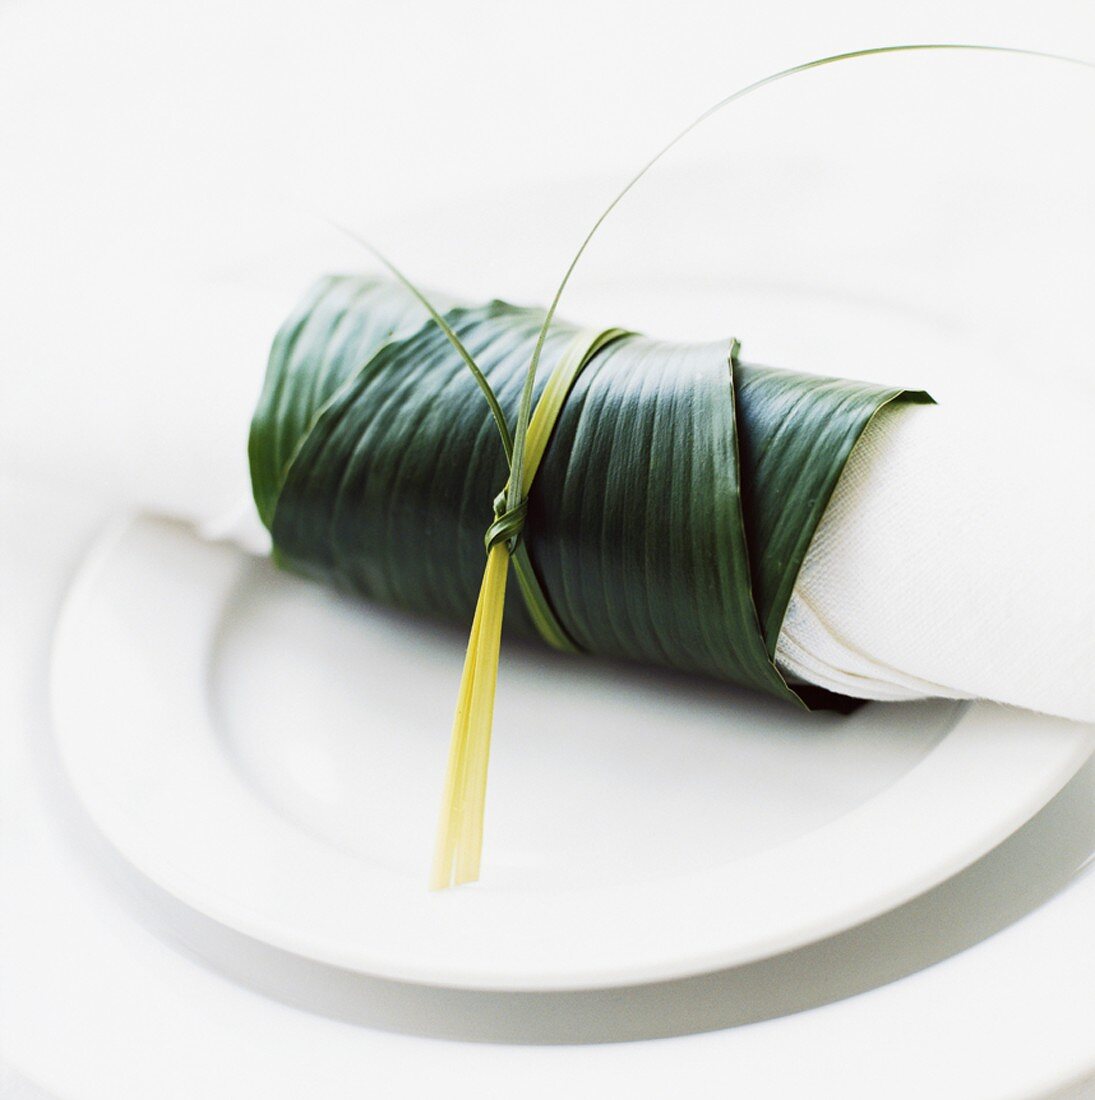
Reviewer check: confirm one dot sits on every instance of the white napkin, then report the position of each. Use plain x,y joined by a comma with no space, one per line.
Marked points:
957,557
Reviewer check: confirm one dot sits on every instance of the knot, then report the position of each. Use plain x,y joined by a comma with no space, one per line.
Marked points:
507,524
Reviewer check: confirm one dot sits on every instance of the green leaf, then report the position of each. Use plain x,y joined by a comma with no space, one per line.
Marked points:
674,503
352,317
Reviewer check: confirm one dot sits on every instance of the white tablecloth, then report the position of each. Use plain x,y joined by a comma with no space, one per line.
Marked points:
145,143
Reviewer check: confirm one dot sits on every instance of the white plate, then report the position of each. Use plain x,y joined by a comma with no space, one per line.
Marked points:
87,955
272,754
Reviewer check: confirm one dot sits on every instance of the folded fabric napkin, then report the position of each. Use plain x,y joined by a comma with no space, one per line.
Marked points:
956,557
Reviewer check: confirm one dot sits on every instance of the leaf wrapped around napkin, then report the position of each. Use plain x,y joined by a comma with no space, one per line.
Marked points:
956,556
676,499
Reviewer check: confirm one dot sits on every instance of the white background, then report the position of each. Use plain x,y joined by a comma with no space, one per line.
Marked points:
142,143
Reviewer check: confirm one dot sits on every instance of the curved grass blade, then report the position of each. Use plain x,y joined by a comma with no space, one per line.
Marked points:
469,362
747,90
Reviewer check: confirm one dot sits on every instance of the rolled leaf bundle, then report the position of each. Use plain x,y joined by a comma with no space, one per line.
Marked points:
677,491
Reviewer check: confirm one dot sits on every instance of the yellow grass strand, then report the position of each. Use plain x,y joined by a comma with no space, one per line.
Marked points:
459,845
460,827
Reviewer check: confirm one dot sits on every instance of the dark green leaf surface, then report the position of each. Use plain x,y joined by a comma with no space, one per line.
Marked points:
351,318
671,513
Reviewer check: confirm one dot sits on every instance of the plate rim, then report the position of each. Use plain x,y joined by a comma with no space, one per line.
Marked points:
600,963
